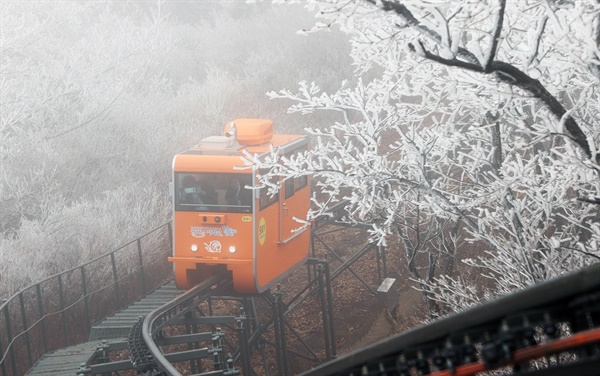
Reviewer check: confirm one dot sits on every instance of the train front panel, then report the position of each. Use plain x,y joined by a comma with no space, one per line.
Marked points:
219,223
213,220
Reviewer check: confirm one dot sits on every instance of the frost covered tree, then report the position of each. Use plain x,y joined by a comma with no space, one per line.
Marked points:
66,68
466,121
97,96
68,71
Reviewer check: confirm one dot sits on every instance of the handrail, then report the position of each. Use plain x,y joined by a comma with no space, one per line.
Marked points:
84,264
23,315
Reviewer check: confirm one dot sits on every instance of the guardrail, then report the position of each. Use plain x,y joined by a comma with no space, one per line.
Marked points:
60,310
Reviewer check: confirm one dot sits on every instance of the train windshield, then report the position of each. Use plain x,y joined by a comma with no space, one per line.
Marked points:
213,192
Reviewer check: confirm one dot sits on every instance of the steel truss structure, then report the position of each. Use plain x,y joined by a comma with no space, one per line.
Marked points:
171,339
209,330
186,331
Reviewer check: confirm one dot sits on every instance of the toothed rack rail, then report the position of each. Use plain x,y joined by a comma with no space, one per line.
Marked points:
549,329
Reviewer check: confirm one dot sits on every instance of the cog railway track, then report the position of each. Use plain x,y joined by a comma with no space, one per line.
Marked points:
552,328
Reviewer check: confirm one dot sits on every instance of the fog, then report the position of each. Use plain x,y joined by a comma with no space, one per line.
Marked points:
96,98
474,156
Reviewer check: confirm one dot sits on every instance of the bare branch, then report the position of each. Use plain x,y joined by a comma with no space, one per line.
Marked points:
538,38
491,55
413,22
512,75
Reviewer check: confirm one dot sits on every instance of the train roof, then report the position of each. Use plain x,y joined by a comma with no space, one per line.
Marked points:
222,153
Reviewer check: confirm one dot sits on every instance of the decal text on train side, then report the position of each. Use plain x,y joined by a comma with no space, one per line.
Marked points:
202,231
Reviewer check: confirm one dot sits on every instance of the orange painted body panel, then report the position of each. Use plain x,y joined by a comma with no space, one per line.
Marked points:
278,140
274,258
207,163
257,246
190,229
252,131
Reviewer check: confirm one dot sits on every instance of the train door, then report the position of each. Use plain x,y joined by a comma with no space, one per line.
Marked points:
295,198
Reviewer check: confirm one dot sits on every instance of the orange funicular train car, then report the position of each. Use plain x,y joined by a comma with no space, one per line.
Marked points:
219,223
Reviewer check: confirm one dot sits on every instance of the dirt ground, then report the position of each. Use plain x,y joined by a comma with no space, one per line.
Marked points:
361,317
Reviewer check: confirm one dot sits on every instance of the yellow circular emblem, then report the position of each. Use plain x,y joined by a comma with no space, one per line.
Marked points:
262,231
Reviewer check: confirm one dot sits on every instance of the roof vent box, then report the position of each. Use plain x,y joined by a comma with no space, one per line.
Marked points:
217,145
252,131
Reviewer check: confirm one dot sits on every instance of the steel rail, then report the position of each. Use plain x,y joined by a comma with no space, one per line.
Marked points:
172,310
519,356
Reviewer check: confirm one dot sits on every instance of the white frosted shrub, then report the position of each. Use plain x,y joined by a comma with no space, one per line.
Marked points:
73,235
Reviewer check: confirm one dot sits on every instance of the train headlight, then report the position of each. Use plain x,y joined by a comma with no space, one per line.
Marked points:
232,249
194,247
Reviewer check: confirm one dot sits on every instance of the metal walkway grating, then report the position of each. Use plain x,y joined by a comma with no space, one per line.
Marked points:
68,361
119,324
64,361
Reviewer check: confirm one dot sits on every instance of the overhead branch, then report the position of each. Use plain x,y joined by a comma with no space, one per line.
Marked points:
421,50
536,46
594,63
509,74
496,141
505,72
594,200
495,37
413,22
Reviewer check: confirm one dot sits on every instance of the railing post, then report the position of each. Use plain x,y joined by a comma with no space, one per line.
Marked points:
86,299
276,326
25,328
116,280
321,284
330,309
3,361
384,254
189,329
210,307
63,314
242,327
142,280
311,267
279,328
38,292
378,252
9,339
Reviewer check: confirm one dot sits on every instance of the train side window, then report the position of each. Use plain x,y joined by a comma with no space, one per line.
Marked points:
265,199
292,185
289,187
300,182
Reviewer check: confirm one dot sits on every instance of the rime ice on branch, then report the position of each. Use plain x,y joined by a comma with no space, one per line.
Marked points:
466,123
